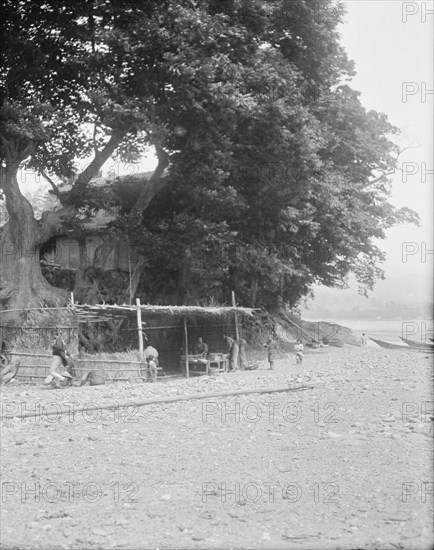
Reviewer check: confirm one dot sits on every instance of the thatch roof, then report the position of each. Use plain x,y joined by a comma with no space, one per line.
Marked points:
103,311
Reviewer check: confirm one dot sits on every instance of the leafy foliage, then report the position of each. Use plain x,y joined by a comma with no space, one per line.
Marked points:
277,175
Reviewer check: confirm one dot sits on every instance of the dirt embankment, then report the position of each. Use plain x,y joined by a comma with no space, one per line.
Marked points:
289,327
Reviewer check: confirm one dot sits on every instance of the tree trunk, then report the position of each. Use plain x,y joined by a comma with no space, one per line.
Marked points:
187,290
100,158
155,184
254,291
22,284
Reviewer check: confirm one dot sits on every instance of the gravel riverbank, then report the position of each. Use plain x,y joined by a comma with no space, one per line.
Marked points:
345,463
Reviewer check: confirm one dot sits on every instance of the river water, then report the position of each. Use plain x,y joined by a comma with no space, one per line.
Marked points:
420,330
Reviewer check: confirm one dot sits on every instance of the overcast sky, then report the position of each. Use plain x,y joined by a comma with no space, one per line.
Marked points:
391,43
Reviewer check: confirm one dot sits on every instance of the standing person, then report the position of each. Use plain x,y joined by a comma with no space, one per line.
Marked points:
243,358
233,350
298,347
152,368
150,350
272,349
59,363
4,360
364,340
201,348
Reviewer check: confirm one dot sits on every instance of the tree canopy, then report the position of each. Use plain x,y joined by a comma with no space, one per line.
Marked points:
271,175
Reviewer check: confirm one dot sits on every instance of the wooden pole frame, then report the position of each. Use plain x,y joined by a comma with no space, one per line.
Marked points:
187,371
237,332
139,329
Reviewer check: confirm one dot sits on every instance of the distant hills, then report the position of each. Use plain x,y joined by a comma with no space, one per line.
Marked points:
398,297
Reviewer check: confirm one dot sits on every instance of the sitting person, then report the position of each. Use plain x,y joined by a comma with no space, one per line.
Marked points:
201,348
59,363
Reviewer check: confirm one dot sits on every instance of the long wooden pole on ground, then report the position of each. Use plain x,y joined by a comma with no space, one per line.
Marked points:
153,401
139,328
187,371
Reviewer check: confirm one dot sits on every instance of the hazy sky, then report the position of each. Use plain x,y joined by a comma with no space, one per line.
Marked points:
391,43
393,53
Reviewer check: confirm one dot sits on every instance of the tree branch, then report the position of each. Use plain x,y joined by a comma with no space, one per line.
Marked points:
95,147
97,162
4,141
155,184
53,185
384,173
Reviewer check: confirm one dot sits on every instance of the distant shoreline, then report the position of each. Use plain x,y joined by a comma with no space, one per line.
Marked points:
386,329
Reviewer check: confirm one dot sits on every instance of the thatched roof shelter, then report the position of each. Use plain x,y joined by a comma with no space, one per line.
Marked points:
169,327
102,312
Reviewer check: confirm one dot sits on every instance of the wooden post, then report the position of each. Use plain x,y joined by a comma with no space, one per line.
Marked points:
187,373
139,329
72,298
237,335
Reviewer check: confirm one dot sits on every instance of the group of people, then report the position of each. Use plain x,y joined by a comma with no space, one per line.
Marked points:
273,347
62,366
236,352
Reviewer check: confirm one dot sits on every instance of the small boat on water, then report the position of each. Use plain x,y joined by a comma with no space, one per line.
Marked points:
426,346
389,345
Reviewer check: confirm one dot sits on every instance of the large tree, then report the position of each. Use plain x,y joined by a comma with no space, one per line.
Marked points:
277,173
302,194
96,78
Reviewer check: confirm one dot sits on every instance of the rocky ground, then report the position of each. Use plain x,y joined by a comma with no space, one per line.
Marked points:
346,463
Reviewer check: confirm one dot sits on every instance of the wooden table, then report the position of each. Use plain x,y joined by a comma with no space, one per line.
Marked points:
198,365
221,362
